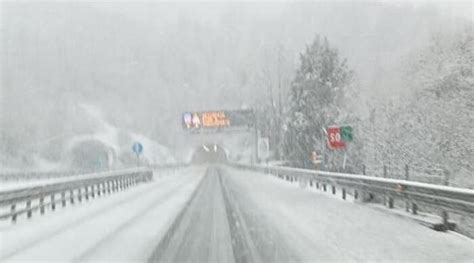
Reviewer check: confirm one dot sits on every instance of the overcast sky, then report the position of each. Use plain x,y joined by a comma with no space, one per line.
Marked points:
144,63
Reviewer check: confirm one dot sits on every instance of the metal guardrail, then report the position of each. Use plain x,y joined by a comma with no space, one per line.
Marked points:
22,176
431,175
39,197
443,199
34,175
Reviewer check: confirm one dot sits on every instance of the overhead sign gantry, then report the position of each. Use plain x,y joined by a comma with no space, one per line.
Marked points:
221,121
205,120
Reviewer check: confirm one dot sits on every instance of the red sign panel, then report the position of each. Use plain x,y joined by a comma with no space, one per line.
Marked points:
334,138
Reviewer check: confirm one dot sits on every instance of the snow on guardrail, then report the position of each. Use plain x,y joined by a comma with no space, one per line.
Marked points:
64,190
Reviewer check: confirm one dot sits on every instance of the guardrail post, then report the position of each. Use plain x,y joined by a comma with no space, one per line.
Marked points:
53,203
385,174
445,218
12,211
41,203
390,202
71,196
310,183
79,194
333,190
414,208
93,191
63,198
356,194
99,190
317,185
407,177
86,192
28,209
324,187
363,169
343,193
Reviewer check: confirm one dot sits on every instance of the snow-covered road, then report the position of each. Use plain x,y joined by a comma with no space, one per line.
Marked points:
221,214
288,223
121,227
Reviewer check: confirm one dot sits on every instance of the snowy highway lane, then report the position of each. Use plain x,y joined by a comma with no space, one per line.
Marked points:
118,227
220,214
291,224
239,216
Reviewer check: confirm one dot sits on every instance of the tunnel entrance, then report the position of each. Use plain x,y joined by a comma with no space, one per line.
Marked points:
209,153
90,155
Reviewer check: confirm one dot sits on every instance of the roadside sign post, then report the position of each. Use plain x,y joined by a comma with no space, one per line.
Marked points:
137,148
316,160
338,138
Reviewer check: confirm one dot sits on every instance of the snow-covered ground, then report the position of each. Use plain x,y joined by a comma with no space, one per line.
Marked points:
230,215
312,225
121,227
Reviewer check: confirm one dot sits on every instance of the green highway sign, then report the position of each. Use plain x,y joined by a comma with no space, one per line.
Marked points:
346,133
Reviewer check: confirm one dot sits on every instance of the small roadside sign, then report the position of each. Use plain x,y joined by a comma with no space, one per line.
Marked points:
338,137
137,148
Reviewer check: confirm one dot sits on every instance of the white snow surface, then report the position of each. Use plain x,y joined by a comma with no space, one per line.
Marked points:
13,185
127,226
318,226
123,226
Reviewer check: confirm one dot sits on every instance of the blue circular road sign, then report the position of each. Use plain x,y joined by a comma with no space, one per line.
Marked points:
137,148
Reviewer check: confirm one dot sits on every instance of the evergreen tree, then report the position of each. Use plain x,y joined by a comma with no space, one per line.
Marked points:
316,97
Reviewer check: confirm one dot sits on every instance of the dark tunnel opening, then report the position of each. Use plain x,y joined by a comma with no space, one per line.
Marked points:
90,155
209,153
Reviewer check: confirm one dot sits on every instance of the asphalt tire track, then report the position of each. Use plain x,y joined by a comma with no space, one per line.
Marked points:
165,241
197,223
242,243
143,212
256,239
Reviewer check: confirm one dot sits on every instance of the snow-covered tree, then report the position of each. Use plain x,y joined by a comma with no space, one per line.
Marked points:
442,105
431,125
316,97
